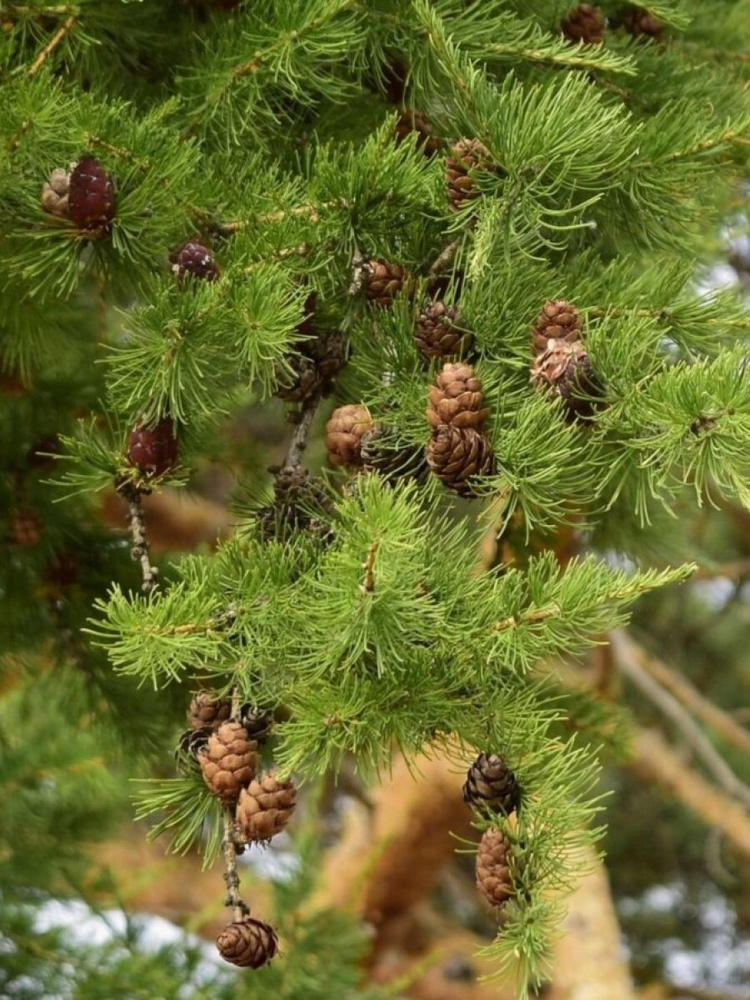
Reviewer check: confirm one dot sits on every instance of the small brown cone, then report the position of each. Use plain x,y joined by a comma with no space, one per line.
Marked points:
558,320
642,24
383,280
26,529
493,868
265,807
440,332
382,452
55,192
413,123
456,398
564,369
584,23
490,784
467,157
229,761
456,454
344,432
208,710
248,943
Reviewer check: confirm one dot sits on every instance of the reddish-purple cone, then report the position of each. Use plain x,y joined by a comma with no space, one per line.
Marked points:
91,197
153,450
194,260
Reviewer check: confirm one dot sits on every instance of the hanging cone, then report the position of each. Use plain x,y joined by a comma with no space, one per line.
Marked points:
344,432
457,454
440,332
466,158
229,761
491,785
382,281
208,710
456,398
564,369
265,807
248,943
493,868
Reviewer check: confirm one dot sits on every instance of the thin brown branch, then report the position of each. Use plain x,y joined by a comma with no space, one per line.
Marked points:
656,760
51,45
298,443
629,662
139,552
229,844
689,696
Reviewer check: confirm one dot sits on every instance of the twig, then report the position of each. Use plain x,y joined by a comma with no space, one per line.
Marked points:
139,552
445,258
693,700
293,457
51,45
627,654
229,845
311,211
369,567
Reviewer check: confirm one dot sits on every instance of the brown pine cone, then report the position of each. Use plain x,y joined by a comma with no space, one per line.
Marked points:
265,807
456,454
493,868
382,452
490,784
439,331
229,761
313,369
383,280
55,192
153,450
26,529
558,320
411,122
194,260
584,23
641,23
564,369
466,157
208,710
91,197
258,722
344,433
456,398
248,943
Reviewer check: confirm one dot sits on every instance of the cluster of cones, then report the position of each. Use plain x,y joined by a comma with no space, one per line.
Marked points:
492,791
260,804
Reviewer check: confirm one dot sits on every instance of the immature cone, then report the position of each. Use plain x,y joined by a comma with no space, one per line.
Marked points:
456,398
91,197
465,158
584,23
412,122
265,807
208,710
440,333
642,24
564,368
490,784
344,433
229,761
383,280
248,943
558,320
194,260
456,454
493,868
55,192
381,452
153,450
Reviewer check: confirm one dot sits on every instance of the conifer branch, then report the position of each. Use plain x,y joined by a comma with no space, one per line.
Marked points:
139,551
298,443
53,43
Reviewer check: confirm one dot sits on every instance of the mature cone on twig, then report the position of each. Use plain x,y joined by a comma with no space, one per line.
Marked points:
229,761
91,197
584,23
55,192
382,281
456,398
564,369
490,784
641,23
194,260
381,452
457,454
493,868
248,943
558,320
344,433
466,157
440,333
265,807
208,710
314,367
412,122
153,450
